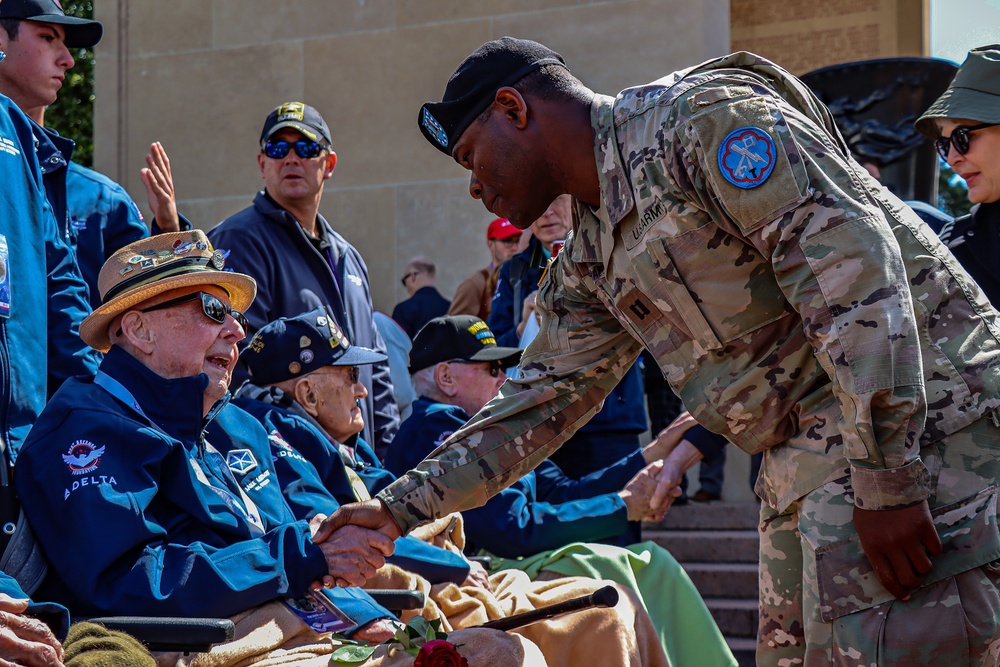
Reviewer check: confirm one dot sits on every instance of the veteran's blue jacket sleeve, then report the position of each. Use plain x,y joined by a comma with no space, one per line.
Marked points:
55,615
129,529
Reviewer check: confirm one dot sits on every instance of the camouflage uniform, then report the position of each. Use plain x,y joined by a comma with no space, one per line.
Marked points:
797,307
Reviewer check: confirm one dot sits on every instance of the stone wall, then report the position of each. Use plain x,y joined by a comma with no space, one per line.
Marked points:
201,75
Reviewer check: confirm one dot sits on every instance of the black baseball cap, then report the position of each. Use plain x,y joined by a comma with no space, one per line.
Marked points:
80,33
501,62
293,346
298,116
464,337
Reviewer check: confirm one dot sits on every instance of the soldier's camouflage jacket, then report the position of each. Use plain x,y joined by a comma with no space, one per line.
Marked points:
795,305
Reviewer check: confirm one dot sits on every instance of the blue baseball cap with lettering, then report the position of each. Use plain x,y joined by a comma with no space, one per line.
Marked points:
495,64
293,346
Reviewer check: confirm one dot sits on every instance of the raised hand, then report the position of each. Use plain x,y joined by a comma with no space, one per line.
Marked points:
24,640
159,182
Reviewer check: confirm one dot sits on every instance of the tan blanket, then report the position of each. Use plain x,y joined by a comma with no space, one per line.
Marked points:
273,636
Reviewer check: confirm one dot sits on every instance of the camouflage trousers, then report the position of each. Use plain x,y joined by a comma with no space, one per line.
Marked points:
821,603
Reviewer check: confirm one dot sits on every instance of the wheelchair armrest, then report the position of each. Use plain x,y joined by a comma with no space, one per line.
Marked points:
485,561
188,635
396,600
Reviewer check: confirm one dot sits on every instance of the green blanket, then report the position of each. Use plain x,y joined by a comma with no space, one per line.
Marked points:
689,634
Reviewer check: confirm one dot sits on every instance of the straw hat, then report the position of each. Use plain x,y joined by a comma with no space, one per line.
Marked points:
154,265
974,94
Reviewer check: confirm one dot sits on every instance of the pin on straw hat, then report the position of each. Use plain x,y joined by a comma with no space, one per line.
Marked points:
154,265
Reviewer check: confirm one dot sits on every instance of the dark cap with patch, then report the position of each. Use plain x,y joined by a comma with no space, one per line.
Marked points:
501,62
293,346
464,337
297,116
80,33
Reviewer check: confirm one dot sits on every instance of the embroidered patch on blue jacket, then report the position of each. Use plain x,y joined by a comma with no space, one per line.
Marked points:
747,157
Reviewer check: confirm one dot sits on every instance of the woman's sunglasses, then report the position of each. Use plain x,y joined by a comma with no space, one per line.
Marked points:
304,149
959,139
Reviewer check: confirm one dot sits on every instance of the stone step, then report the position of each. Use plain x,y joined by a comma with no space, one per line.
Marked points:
735,617
724,580
708,546
716,515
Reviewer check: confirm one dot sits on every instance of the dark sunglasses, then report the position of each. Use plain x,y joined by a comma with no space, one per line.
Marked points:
495,366
304,149
211,305
408,276
959,138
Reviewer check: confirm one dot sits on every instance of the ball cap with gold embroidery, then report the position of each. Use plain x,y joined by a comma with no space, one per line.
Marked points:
80,33
293,346
297,116
154,265
501,62
464,337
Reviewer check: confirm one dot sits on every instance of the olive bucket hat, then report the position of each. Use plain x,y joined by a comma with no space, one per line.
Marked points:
974,94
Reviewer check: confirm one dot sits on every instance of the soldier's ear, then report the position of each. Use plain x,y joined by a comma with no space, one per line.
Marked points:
306,395
513,106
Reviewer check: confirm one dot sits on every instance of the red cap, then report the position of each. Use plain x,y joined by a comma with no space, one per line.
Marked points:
501,229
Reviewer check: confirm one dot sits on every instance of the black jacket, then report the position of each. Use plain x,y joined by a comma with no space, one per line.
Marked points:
295,274
975,241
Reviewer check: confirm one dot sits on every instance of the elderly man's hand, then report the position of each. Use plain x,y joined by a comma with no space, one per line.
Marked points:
353,554
378,631
478,577
26,641
638,494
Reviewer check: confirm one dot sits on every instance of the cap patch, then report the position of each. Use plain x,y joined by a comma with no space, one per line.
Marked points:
291,111
747,157
483,333
434,128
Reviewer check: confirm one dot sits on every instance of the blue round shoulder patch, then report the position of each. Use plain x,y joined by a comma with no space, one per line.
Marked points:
747,157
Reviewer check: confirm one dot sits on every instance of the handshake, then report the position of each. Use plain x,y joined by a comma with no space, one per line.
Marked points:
649,495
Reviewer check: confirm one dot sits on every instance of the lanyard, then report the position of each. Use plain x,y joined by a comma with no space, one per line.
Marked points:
248,510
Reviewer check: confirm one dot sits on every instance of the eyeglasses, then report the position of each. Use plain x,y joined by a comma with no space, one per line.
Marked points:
495,366
408,276
959,138
211,305
304,149
510,241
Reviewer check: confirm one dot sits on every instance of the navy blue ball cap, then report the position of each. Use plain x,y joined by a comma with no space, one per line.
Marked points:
80,33
294,346
501,62
464,337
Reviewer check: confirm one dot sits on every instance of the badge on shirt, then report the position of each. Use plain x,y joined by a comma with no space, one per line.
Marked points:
241,461
4,278
747,157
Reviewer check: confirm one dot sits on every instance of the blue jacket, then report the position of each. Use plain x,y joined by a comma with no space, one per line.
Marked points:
301,449
413,313
294,277
138,514
543,510
624,409
101,219
55,615
40,344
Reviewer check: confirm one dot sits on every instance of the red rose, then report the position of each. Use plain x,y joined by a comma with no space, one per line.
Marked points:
439,653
